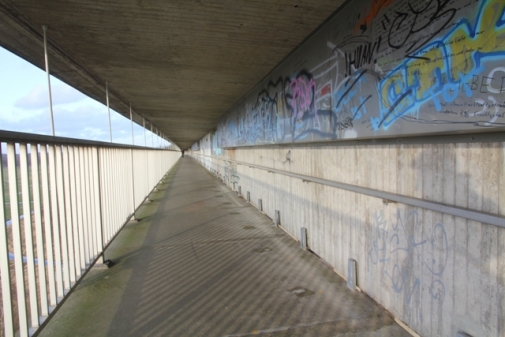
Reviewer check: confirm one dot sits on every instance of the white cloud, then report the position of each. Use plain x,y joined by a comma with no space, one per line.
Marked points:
38,97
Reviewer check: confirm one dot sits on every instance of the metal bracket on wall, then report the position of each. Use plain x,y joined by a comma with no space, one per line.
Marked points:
351,274
462,334
387,201
277,218
303,238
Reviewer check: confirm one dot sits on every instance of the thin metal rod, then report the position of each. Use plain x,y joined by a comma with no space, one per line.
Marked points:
108,108
144,125
44,28
131,120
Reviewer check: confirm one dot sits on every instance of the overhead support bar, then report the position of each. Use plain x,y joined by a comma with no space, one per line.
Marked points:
44,28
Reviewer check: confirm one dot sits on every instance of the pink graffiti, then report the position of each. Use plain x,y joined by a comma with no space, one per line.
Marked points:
303,95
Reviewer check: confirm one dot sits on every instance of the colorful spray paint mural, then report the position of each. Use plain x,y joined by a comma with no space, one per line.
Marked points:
383,68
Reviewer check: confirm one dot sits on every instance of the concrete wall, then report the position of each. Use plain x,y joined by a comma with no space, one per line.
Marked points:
382,68
438,273
387,69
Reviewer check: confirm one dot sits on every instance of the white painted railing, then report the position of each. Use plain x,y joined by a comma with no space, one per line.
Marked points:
69,201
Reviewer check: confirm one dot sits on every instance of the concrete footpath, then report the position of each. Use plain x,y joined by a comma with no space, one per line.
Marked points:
203,262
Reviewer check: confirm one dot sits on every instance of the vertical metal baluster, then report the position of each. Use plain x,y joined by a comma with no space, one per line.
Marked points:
132,179
85,208
107,190
92,204
37,212
119,187
16,239
75,215
112,190
146,187
98,213
123,202
110,187
103,197
44,168
68,201
80,207
89,203
62,216
117,191
129,177
56,222
138,178
8,320
27,223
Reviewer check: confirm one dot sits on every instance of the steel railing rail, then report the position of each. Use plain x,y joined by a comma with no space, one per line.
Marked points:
21,137
66,200
489,218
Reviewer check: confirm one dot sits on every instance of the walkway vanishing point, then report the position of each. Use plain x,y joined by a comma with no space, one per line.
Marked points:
202,261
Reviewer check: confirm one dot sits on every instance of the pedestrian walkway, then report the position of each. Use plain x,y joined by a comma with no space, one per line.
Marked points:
202,261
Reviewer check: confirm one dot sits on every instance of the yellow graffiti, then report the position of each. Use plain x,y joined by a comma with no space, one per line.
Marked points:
452,57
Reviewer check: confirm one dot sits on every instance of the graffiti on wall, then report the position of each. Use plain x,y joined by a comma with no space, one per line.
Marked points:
402,247
230,173
391,67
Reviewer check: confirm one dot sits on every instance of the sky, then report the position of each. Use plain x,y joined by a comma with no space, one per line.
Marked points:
24,107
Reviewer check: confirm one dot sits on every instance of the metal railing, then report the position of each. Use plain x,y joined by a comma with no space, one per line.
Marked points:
470,214
63,201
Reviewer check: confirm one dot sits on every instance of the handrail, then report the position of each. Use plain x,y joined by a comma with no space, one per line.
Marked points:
21,137
466,213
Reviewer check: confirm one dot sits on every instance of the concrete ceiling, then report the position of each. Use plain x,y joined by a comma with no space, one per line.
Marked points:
181,63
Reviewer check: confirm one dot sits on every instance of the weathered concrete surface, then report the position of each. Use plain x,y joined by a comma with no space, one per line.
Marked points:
437,272
203,262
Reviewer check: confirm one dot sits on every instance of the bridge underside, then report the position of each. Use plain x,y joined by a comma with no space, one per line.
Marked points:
181,64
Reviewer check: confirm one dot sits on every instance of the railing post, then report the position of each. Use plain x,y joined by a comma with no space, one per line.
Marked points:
98,200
